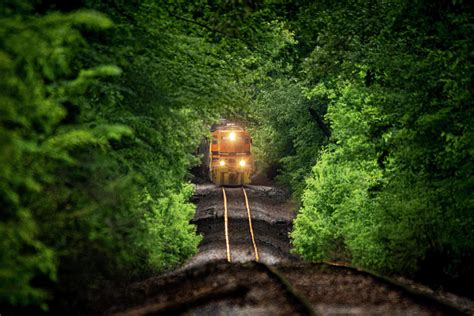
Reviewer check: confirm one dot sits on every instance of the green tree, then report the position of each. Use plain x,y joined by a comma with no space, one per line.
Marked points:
393,190
99,119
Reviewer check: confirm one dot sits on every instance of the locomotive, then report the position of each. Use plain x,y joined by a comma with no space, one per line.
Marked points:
229,158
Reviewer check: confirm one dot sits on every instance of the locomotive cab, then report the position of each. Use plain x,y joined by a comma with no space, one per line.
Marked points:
230,157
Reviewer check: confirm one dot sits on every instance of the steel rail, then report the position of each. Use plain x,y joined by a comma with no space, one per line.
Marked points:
249,213
226,226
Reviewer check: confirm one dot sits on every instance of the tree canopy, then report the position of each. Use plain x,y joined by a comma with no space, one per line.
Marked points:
362,108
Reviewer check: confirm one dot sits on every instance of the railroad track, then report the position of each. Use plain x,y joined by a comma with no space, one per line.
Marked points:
226,226
246,288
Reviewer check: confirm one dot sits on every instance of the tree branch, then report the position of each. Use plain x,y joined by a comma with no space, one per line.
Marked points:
320,122
207,27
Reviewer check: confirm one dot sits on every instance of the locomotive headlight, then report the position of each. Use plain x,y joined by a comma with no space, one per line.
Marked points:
232,136
222,163
242,163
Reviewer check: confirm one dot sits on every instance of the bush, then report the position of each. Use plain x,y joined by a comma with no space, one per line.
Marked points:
95,145
394,188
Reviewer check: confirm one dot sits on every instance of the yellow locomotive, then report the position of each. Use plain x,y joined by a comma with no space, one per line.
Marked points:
230,160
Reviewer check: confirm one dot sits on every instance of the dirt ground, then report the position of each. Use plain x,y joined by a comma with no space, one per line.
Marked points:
216,288
281,284
336,290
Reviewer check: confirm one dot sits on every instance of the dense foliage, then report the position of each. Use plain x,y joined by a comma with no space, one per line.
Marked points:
362,108
99,118
393,189
286,135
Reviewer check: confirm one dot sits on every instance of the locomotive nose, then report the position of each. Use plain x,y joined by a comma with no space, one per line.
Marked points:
230,158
